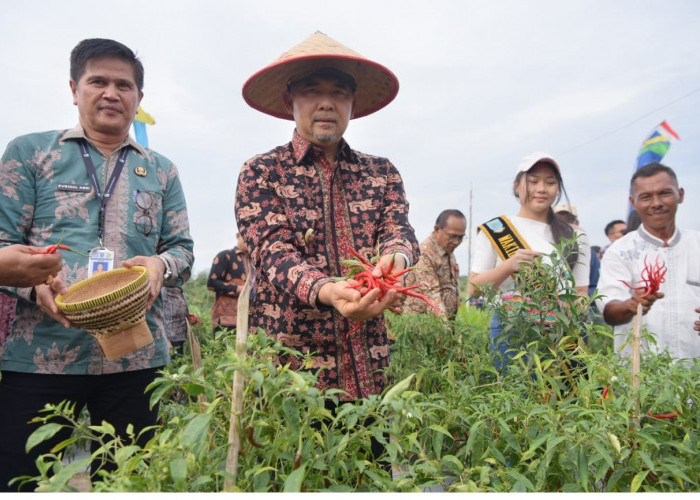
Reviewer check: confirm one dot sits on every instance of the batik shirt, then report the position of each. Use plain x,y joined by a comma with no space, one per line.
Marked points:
300,216
175,313
226,278
46,196
437,273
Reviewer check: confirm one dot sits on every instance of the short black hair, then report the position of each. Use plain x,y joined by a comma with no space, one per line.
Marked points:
98,48
610,225
343,77
441,221
651,169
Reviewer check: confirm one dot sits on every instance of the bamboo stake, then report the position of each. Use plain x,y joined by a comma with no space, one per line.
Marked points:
636,346
234,437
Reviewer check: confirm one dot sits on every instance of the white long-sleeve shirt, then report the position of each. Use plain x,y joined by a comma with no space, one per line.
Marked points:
671,318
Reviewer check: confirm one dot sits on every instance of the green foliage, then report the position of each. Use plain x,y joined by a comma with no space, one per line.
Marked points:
451,420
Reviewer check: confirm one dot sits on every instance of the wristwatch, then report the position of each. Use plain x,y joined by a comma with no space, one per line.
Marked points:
168,272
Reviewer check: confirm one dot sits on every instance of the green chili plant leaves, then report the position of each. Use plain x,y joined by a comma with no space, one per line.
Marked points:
560,417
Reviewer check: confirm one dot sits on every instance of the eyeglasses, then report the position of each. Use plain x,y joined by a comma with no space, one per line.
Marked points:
144,201
457,238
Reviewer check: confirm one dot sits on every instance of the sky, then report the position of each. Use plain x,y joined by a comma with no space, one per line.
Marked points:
482,84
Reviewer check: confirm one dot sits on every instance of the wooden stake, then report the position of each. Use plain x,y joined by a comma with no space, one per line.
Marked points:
636,346
234,436
636,355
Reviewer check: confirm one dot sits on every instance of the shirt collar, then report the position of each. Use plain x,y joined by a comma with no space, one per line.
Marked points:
645,235
436,245
78,132
302,147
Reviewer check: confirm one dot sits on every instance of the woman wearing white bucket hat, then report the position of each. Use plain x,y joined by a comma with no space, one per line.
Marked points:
504,243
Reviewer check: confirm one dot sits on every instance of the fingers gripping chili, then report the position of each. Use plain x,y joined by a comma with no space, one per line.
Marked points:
362,271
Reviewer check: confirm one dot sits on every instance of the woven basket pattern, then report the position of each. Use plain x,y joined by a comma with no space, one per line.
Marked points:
109,302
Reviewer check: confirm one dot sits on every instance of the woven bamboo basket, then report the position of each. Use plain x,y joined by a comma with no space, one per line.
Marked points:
112,307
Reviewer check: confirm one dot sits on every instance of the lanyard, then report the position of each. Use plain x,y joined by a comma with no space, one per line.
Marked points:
90,167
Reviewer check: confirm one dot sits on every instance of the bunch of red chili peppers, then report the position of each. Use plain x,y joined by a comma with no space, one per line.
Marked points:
652,277
361,270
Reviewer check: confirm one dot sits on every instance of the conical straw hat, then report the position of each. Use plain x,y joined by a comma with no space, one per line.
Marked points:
376,85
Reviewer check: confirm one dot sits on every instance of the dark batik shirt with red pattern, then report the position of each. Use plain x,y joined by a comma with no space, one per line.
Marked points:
300,216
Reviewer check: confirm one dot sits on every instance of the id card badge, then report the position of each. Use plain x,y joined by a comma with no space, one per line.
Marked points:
100,260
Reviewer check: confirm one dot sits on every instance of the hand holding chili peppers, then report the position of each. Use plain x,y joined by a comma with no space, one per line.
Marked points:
652,276
380,281
19,266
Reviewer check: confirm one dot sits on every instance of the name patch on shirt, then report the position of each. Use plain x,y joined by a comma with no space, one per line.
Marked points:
76,188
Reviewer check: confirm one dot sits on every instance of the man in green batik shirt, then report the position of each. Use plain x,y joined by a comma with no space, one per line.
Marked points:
54,186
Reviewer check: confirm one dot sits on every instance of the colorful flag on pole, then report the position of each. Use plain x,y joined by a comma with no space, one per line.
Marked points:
657,144
140,120
654,148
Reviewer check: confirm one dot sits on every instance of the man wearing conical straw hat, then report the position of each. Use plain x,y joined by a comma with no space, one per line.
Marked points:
303,206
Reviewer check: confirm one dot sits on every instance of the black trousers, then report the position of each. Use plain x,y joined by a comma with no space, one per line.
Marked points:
116,398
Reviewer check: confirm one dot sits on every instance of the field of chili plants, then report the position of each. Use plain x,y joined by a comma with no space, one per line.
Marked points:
563,415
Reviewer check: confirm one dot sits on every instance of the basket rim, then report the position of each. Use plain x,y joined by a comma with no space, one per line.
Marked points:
106,298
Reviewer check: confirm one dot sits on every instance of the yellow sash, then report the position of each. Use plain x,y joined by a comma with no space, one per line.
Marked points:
503,236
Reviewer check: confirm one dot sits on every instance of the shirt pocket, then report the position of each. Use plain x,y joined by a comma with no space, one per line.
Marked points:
148,212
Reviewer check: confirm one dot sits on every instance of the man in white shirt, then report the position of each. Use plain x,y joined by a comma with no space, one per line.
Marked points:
671,313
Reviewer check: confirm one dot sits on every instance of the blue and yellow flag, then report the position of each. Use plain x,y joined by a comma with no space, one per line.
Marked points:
655,147
140,120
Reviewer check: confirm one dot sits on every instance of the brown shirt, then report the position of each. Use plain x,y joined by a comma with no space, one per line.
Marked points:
438,274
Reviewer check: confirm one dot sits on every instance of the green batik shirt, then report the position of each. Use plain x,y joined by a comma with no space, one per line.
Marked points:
46,194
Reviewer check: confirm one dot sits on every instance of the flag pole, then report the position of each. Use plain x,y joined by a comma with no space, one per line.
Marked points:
469,231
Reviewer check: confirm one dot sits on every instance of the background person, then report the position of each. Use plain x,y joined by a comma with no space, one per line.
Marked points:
614,230
90,199
226,279
175,317
672,312
537,186
437,270
569,214
302,207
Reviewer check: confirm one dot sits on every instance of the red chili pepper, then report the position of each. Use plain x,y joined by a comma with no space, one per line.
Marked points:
252,440
353,330
362,259
662,415
51,249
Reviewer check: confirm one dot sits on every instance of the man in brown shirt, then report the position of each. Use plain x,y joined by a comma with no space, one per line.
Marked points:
437,270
